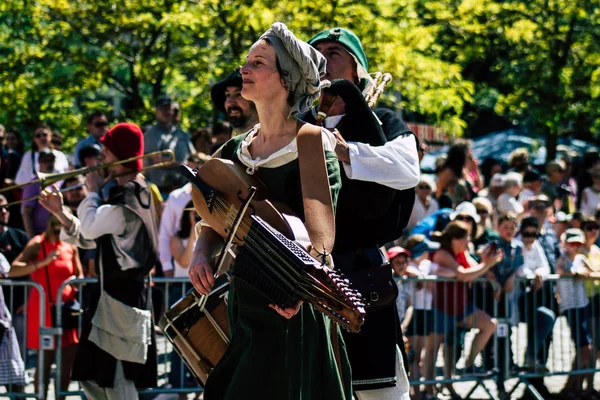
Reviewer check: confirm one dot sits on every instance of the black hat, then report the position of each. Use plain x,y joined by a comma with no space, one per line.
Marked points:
46,154
92,150
529,222
163,101
217,92
531,176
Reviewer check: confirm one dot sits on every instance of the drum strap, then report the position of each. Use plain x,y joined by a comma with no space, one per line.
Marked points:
316,194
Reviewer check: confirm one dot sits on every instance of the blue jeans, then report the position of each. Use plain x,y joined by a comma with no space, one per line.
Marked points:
541,322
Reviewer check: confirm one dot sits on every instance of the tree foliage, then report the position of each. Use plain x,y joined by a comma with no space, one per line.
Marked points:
62,59
533,62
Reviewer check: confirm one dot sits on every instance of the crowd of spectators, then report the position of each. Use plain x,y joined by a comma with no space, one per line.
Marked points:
494,232
511,225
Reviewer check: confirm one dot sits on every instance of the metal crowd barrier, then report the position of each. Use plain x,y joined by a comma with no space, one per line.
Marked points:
526,343
532,338
165,292
45,336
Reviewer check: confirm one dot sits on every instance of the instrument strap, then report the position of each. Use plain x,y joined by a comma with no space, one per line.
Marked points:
318,206
43,244
316,194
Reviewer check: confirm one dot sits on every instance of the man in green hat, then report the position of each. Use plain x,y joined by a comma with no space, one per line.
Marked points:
380,168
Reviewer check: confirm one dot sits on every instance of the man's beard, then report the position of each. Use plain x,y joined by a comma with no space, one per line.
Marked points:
73,204
238,121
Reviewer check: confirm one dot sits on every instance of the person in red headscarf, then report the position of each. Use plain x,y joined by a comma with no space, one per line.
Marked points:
123,230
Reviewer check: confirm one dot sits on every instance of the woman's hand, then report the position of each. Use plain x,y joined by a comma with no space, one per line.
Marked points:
52,256
201,273
537,282
341,147
287,312
494,258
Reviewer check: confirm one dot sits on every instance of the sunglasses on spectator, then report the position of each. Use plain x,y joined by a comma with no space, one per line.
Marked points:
481,211
529,234
591,228
101,124
539,206
575,244
464,218
424,187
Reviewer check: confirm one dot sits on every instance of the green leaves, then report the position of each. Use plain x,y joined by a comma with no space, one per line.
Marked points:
531,61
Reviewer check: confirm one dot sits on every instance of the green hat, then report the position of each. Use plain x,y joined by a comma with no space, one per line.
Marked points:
347,38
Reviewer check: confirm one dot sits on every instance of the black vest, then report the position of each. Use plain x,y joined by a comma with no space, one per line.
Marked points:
137,198
369,214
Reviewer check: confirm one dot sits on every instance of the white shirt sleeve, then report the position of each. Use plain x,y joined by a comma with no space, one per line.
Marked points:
99,220
25,171
543,268
395,164
168,226
61,163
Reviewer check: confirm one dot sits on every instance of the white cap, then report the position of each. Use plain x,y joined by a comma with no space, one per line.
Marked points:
497,180
466,208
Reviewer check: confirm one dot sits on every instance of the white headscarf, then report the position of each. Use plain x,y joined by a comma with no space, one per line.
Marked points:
302,65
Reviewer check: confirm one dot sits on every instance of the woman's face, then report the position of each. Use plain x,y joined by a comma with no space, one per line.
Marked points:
12,141
466,218
496,169
484,214
573,248
591,231
460,245
423,190
528,235
260,79
42,138
399,264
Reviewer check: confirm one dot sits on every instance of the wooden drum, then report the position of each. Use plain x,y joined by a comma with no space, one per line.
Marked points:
198,329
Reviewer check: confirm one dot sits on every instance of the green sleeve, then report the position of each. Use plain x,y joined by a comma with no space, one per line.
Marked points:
335,179
229,149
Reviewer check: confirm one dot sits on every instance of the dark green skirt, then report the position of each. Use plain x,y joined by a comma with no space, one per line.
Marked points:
270,357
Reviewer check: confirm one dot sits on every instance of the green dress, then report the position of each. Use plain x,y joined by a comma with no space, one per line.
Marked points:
269,356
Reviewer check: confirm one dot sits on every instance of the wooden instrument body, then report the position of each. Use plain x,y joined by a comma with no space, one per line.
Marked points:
232,183
193,333
277,236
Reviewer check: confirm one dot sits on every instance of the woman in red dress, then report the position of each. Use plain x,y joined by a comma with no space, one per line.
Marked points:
49,261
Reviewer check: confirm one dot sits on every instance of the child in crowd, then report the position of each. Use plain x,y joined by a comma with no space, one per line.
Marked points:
590,198
399,260
573,303
504,274
419,331
505,271
532,304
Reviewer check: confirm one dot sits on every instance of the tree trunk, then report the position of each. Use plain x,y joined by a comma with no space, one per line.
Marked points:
551,144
